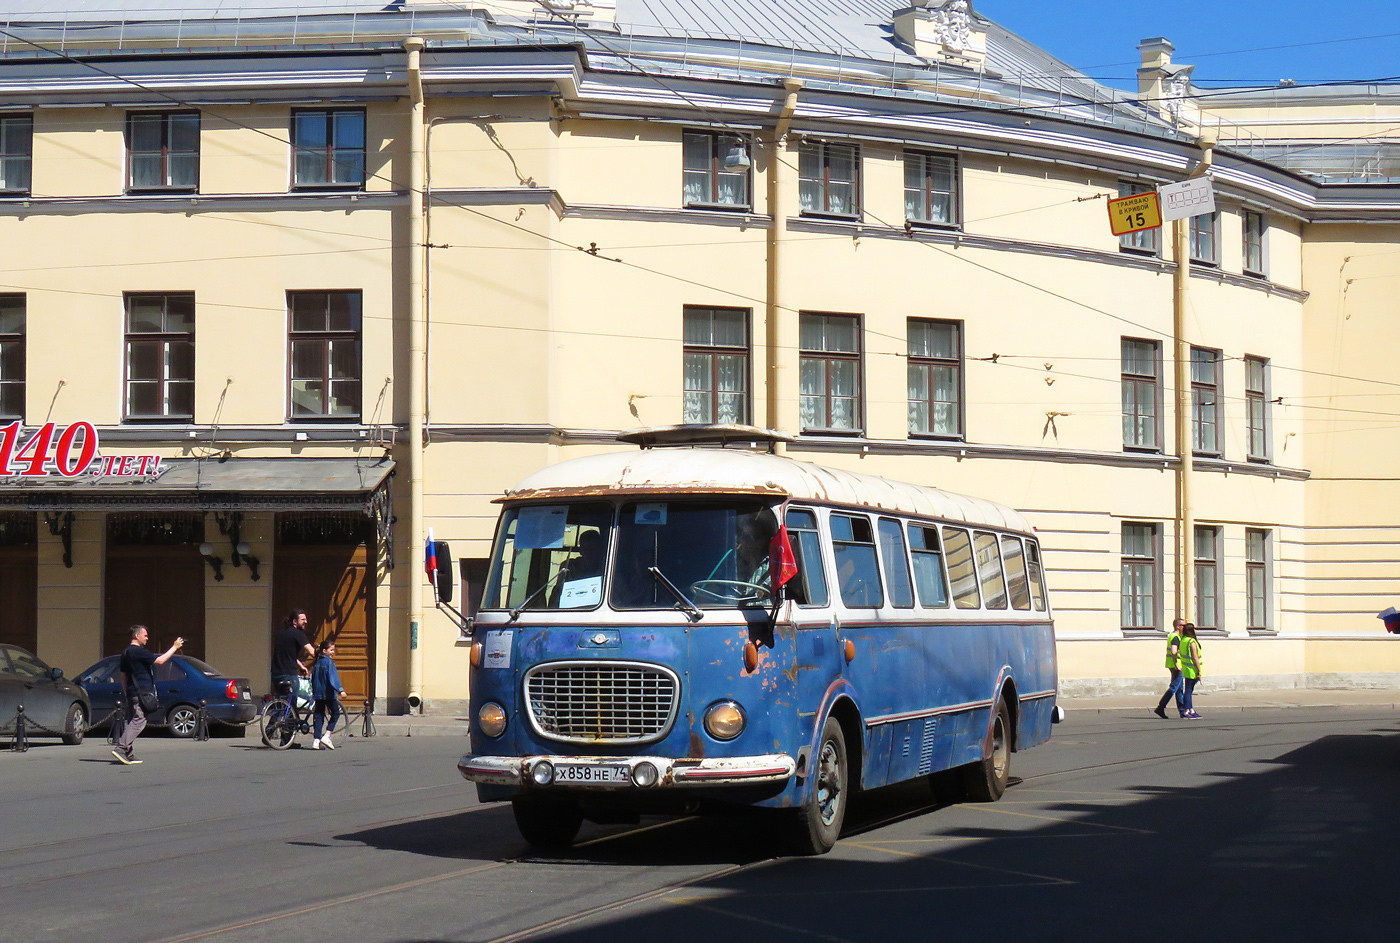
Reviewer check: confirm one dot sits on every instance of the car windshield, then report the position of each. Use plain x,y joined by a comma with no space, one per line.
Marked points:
715,552
550,556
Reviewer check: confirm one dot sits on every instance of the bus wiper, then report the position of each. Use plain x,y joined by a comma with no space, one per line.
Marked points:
515,613
691,610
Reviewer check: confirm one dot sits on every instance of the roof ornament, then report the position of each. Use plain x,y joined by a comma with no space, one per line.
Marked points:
942,30
952,25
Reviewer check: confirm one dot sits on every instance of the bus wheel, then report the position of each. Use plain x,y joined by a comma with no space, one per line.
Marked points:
986,781
547,823
817,825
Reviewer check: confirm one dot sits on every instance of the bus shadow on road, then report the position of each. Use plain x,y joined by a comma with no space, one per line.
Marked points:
1299,845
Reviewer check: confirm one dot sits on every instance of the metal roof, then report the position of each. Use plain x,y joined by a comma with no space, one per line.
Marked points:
690,471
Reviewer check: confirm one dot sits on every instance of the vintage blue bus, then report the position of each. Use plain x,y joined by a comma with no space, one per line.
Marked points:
680,629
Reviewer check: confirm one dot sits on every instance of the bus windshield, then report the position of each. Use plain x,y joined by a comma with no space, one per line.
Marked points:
715,552
550,556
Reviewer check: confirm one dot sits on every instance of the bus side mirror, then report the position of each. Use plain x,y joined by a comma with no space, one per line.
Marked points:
442,576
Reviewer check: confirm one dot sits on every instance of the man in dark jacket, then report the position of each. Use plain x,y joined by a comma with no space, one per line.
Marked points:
138,677
291,652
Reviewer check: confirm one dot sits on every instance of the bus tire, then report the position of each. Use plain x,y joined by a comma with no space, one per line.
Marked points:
547,823
986,781
816,826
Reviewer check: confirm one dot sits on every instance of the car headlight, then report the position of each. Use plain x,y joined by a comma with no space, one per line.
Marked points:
724,720
492,718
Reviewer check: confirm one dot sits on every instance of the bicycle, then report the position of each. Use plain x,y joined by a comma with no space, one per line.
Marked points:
282,719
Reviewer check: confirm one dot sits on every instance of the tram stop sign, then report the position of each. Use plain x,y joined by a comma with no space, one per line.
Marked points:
1134,213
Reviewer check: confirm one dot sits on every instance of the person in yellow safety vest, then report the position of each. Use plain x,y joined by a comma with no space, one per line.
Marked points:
1174,666
1192,666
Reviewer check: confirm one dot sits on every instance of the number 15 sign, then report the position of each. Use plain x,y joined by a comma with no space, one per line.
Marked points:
1134,213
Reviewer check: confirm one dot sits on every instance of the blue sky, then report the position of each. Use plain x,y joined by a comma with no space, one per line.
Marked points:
1100,37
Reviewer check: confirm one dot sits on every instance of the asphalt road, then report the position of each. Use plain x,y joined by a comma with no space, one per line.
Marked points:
1274,825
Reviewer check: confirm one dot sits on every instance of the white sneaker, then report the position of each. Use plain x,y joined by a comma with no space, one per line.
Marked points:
327,741
315,744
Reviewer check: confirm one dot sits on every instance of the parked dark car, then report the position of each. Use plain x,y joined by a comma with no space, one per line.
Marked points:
181,683
48,700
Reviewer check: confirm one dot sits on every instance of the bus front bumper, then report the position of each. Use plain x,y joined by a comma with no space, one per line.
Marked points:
633,772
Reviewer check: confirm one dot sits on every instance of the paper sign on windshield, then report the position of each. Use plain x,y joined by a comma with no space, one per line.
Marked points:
538,528
580,594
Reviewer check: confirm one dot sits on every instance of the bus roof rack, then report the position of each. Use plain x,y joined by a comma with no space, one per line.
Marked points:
704,434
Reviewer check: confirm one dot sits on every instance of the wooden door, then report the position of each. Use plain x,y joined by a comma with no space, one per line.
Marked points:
335,585
161,588
19,597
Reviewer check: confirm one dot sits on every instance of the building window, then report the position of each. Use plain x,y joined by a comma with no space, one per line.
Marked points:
1204,239
1142,394
1140,581
716,169
324,351
162,150
1254,228
16,152
328,148
716,365
930,189
830,372
1256,571
1205,401
1208,577
12,318
935,377
1256,399
159,356
829,179
1144,241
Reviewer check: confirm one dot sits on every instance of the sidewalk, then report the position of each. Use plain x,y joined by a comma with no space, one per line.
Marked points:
453,725
1222,701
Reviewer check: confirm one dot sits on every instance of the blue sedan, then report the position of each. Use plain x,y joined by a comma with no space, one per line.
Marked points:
181,683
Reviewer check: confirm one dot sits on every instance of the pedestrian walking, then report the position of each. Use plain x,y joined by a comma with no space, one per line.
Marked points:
1192,667
326,690
1175,688
291,650
139,682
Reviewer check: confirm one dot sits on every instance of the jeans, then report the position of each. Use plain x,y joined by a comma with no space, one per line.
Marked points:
1190,686
321,707
135,723
1183,701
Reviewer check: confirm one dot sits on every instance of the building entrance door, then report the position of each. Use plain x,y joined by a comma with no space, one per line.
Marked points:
161,588
334,583
19,597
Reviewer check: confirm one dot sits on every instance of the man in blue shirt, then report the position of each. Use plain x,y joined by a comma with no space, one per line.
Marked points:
138,676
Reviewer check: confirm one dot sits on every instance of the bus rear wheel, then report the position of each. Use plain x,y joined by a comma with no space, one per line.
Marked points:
547,823
816,826
986,781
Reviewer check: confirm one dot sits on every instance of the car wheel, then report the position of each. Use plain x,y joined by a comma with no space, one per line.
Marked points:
182,719
75,725
547,823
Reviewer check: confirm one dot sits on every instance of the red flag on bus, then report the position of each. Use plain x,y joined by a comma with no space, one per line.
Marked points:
782,562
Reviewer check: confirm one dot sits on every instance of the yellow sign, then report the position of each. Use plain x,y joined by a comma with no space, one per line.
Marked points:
1134,213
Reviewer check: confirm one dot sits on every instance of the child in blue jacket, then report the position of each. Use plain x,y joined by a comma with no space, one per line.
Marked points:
326,691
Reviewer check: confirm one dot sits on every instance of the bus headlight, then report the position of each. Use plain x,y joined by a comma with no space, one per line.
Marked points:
724,720
492,718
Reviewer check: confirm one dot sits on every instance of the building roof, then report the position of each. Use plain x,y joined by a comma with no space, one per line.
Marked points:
662,471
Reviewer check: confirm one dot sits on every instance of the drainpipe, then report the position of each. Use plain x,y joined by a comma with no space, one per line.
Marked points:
1186,514
417,370
780,365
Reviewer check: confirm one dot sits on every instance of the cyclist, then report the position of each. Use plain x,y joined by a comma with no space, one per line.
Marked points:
291,650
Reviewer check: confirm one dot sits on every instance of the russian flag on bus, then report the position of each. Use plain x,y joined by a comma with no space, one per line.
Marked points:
782,562
430,558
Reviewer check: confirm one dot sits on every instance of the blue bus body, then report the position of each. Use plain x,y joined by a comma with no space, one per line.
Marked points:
915,689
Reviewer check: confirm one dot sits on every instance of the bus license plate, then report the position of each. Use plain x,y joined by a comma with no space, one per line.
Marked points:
566,774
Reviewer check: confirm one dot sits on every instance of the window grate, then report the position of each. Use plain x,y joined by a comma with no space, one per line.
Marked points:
601,702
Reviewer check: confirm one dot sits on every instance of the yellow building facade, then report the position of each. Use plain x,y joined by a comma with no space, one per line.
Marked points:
271,248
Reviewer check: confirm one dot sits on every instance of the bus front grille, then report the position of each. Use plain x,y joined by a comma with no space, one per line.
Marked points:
601,701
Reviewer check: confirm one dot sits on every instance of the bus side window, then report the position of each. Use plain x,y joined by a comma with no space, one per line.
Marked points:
989,569
896,565
1037,579
1015,563
857,570
928,566
961,573
808,588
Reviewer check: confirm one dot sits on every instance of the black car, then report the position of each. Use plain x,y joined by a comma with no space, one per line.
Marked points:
181,683
53,707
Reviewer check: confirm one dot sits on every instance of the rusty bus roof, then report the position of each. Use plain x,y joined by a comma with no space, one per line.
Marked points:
692,471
